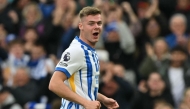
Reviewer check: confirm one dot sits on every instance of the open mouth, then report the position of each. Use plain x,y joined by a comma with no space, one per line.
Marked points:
95,34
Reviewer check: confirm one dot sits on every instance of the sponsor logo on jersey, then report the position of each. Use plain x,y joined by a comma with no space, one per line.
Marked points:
63,64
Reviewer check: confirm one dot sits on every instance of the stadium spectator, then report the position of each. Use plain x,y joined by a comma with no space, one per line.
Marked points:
7,100
70,31
156,89
162,105
16,58
157,56
118,40
40,65
30,37
183,6
154,25
176,73
178,36
32,17
134,23
185,104
24,89
58,27
9,18
114,85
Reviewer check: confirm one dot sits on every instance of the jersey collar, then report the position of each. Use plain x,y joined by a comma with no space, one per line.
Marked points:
82,42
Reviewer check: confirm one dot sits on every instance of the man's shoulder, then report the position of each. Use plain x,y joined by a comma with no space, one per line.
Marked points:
74,51
75,48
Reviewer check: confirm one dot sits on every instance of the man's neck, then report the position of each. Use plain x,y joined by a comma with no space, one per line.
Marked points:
85,41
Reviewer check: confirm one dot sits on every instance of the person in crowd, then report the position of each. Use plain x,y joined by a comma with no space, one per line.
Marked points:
32,17
161,104
39,64
47,7
185,104
157,56
134,23
5,37
19,5
9,18
59,29
154,25
70,31
152,90
176,73
16,58
182,6
23,89
178,36
7,100
118,39
115,85
30,37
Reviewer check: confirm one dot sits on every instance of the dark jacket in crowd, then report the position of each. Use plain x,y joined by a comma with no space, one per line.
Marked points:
123,95
25,93
164,72
145,101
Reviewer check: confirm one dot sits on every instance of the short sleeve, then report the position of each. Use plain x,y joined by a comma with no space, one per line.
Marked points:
70,62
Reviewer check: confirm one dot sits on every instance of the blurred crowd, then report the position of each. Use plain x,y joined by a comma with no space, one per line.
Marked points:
144,51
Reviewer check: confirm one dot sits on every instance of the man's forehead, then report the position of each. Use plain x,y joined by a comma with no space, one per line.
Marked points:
93,18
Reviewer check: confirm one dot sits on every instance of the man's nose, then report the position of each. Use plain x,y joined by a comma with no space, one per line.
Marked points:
97,26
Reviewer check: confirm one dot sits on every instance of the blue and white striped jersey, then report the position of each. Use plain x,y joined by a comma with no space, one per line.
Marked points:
80,64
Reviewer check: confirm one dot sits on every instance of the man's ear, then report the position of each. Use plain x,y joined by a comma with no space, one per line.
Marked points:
80,26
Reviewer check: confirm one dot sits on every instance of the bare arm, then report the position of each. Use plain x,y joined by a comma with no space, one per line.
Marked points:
127,8
108,102
101,97
153,9
58,87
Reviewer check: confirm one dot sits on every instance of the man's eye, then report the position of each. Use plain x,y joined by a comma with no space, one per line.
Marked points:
100,23
90,23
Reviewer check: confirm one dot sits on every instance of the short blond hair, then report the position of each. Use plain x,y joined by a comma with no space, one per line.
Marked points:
89,11
33,5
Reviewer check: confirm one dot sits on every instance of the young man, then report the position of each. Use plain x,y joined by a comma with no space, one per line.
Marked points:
79,67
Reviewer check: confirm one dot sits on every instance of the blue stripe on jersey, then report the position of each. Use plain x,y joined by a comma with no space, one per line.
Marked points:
81,79
76,106
95,92
63,103
70,105
64,71
83,43
89,71
95,62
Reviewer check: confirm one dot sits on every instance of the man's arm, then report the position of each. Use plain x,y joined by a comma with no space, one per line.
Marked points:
57,86
101,97
108,102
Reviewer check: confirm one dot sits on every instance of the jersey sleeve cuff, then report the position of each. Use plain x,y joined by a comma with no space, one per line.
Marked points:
63,70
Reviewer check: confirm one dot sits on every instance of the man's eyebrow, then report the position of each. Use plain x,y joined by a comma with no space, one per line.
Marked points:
95,21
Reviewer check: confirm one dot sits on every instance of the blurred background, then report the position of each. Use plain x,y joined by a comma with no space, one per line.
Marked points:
144,51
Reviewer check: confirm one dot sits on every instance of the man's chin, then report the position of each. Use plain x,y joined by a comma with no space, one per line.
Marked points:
95,40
